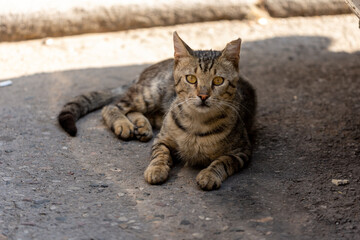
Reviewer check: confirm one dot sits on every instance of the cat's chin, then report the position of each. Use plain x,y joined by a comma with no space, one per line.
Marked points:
201,108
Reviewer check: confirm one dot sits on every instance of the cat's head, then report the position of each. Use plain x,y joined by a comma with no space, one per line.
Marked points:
206,79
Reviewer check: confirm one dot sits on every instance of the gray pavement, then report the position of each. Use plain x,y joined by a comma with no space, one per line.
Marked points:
53,186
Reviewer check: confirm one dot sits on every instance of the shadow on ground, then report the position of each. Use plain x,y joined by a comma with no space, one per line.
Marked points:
92,187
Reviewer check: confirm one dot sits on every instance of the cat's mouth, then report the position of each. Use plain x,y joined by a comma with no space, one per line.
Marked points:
203,105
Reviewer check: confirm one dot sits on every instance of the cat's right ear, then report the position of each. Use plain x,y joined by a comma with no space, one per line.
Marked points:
181,48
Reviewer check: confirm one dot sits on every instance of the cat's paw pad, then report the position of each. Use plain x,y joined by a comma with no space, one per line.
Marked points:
207,180
124,129
143,130
156,174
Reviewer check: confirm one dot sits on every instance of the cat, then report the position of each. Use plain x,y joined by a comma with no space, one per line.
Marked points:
204,108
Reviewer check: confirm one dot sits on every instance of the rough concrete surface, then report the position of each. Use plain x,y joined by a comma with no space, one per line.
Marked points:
22,19
307,78
290,8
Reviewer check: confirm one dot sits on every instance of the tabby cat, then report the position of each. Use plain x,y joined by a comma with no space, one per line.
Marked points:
204,107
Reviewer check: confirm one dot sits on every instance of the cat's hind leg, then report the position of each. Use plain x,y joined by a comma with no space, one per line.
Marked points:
129,126
118,122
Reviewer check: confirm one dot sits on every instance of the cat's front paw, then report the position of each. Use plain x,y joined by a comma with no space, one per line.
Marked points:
143,130
208,180
124,129
156,174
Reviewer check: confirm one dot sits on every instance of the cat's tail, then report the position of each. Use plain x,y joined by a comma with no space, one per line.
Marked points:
84,104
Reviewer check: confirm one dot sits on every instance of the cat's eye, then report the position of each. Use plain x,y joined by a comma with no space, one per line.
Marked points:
218,81
191,79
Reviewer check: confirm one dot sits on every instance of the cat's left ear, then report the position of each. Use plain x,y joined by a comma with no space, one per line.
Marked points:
232,52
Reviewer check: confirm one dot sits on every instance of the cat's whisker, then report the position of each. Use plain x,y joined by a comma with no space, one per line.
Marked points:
238,103
179,104
234,108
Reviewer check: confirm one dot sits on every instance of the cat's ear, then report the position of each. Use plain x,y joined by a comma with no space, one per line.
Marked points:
232,52
181,48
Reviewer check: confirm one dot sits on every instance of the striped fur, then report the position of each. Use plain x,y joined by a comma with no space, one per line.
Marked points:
201,123
80,106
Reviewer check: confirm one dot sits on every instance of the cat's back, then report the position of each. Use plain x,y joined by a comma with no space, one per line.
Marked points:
161,72
154,88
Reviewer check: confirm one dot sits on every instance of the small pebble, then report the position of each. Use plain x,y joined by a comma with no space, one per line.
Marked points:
225,228
115,169
185,222
123,225
198,235
60,219
340,182
122,219
120,194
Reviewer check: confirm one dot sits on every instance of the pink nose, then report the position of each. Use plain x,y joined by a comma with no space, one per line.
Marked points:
203,97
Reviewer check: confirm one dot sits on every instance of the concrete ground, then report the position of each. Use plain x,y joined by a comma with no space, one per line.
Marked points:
307,75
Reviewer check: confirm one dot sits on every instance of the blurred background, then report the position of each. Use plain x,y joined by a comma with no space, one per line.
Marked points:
51,21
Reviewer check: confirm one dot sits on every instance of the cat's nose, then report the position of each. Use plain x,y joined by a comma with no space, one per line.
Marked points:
203,97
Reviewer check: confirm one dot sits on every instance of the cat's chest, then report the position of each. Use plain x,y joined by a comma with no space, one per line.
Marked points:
198,140
197,149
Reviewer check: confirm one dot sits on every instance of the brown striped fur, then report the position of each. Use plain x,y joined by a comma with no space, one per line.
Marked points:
201,123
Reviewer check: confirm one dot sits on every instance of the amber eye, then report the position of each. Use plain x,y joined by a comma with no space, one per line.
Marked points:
218,81
191,79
